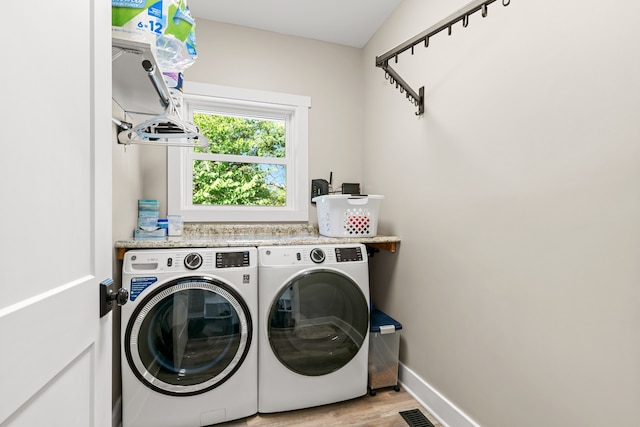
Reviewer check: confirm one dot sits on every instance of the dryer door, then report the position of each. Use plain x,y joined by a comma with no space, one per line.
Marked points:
188,336
318,322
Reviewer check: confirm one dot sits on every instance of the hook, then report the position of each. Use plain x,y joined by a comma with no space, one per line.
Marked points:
426,42
449,29
506,2
484,10
396,59
386,75
411,50
465,21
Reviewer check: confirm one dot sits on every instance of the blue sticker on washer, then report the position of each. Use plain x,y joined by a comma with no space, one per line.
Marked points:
139,284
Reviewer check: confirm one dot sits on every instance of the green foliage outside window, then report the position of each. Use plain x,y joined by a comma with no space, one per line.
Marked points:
240,183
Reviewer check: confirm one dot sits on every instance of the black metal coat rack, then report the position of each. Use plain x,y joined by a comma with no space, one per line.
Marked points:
382,61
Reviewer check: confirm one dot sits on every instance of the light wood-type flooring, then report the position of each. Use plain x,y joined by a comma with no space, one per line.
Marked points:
381,410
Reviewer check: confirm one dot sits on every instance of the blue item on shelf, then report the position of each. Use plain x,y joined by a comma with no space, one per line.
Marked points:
164,224
148,208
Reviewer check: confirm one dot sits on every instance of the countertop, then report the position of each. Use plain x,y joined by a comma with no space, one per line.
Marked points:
215,235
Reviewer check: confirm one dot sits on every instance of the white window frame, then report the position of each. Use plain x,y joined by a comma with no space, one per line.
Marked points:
293,108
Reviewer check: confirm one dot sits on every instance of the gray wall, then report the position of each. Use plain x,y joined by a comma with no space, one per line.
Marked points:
517,276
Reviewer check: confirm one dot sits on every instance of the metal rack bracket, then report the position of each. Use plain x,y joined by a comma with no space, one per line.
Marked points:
382,61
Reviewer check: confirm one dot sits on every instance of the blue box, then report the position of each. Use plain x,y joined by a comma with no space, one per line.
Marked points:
148,207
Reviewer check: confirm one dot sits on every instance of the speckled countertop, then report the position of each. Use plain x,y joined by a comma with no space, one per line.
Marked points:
196,235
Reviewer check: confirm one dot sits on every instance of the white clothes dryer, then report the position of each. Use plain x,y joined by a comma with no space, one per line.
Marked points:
189,346
314,325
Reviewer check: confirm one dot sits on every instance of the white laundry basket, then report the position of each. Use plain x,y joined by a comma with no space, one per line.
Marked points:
346,215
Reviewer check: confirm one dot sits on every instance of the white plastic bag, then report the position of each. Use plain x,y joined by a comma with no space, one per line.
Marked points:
176,45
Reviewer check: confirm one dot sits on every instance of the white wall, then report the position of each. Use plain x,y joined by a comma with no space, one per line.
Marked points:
517,200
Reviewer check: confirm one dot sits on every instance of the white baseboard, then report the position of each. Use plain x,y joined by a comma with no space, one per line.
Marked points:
439,406
116,413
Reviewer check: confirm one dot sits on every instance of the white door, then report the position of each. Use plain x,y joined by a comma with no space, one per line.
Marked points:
55,213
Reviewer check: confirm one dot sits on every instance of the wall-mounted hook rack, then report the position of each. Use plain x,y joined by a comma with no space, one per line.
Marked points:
382,61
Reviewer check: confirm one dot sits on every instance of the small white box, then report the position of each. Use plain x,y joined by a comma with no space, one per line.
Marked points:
175,225
346,215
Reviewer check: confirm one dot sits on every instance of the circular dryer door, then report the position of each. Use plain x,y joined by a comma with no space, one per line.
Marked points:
188,336
318,322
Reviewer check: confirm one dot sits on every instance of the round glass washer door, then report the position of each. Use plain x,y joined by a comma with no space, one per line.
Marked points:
188,336
318,322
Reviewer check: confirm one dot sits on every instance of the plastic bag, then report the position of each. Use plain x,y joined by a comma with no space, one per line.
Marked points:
176,45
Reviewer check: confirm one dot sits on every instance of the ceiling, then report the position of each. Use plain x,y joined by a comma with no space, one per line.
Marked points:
345,22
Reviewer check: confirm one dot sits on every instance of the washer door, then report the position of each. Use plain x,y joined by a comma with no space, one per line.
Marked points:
318,322
188,336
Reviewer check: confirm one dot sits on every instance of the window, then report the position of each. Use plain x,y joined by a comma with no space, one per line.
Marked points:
256,167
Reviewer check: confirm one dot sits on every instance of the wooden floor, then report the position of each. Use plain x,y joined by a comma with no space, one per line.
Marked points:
381,410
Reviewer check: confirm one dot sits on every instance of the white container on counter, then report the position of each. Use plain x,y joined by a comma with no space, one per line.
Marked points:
345,215
175,225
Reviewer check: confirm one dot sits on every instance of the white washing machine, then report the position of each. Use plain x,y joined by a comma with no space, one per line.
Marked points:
314,325
189,343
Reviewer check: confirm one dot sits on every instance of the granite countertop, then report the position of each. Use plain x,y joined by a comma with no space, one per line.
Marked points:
196,235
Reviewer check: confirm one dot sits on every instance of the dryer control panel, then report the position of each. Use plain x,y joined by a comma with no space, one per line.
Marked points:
316,255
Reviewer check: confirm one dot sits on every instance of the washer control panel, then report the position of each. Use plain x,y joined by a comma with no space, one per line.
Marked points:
200,259
349,254
232,259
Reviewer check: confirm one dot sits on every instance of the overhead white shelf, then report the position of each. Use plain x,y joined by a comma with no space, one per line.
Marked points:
132,87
